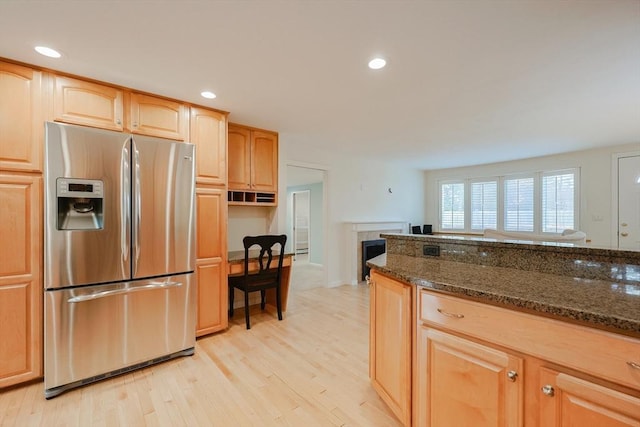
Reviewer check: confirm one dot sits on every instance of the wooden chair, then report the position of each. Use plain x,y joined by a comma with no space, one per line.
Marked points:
268,276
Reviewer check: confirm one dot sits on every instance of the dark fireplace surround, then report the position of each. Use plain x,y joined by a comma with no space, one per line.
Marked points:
371,249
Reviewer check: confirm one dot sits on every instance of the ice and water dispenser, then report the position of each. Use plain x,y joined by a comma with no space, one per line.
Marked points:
80,204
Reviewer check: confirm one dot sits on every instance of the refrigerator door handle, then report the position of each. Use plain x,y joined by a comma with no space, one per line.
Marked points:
104,294
138,205
125,212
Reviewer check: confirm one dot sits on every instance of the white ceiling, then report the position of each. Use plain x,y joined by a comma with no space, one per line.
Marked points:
466,82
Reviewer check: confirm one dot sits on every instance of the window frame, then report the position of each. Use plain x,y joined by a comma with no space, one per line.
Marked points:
449,182
500,180
469,223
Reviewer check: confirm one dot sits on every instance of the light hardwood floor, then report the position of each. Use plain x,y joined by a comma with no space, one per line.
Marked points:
311,369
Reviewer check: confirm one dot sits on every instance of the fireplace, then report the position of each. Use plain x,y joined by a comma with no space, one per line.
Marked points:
371,249
356,233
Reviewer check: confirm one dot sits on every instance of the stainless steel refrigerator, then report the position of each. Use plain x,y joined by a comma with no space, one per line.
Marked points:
119,253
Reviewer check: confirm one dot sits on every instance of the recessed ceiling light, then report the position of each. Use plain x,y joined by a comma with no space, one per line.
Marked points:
47,51
207,94
377,63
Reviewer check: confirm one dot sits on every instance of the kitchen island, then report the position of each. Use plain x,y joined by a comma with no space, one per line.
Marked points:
494,332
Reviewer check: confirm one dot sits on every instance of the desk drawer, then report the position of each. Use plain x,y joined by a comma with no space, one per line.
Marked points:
602,354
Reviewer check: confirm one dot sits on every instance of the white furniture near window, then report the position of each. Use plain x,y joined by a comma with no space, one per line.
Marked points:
567,236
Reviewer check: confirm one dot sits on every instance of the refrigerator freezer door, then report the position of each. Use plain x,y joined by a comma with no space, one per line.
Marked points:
163,207
97,331
99,254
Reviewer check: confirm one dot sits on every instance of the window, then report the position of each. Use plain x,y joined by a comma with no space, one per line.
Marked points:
541,202
518,204
558,201
484,205
452,206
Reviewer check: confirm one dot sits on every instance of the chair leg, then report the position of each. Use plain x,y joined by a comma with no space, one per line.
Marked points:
263,300
246,309
279,302
231,295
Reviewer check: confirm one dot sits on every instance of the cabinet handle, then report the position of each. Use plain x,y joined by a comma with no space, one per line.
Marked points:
454,315
512,375
368,280
119,122
135,124
624,234
548,390
634,365
624,224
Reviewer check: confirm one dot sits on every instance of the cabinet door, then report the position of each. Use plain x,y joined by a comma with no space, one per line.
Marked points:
159,117
390,344
567,401
264,161
21,119
239,144
463,383
211,264
89,104
209,134
20,279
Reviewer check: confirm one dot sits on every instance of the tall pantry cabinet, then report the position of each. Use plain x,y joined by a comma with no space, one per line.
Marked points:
209,134
21,142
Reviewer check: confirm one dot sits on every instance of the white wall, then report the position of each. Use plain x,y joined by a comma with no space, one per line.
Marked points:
356,191
595,184
247,221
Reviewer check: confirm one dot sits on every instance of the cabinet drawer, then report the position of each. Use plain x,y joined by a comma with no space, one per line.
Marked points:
599,353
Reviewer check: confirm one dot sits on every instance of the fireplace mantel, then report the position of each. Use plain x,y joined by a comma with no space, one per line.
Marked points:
359,231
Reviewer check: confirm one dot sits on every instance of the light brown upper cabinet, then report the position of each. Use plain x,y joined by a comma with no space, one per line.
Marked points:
88,104
21,119
209,134
149,115
253,159
239,143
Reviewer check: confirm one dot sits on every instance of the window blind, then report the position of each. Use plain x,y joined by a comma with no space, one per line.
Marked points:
518,204
484,205
558,202
452,206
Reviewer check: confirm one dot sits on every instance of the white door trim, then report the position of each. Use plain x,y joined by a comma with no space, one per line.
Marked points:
325,212
614,194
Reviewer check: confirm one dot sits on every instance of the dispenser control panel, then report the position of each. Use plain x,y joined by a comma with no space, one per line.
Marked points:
86,188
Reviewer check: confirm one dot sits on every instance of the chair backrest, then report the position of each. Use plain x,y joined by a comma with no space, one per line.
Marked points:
271,248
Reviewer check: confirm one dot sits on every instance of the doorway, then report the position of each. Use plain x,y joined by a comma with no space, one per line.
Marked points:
300,232
305,222
628,218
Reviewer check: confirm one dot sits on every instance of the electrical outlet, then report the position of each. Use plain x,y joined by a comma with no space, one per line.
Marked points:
431,250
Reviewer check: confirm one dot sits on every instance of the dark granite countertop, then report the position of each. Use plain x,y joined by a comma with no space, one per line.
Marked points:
606,304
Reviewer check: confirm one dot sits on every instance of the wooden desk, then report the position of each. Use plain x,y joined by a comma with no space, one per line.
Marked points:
236,267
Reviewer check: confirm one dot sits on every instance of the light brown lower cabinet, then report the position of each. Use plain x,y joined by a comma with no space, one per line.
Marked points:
20,278
479,365
391,318
464,383
212,297
568,401
211,259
